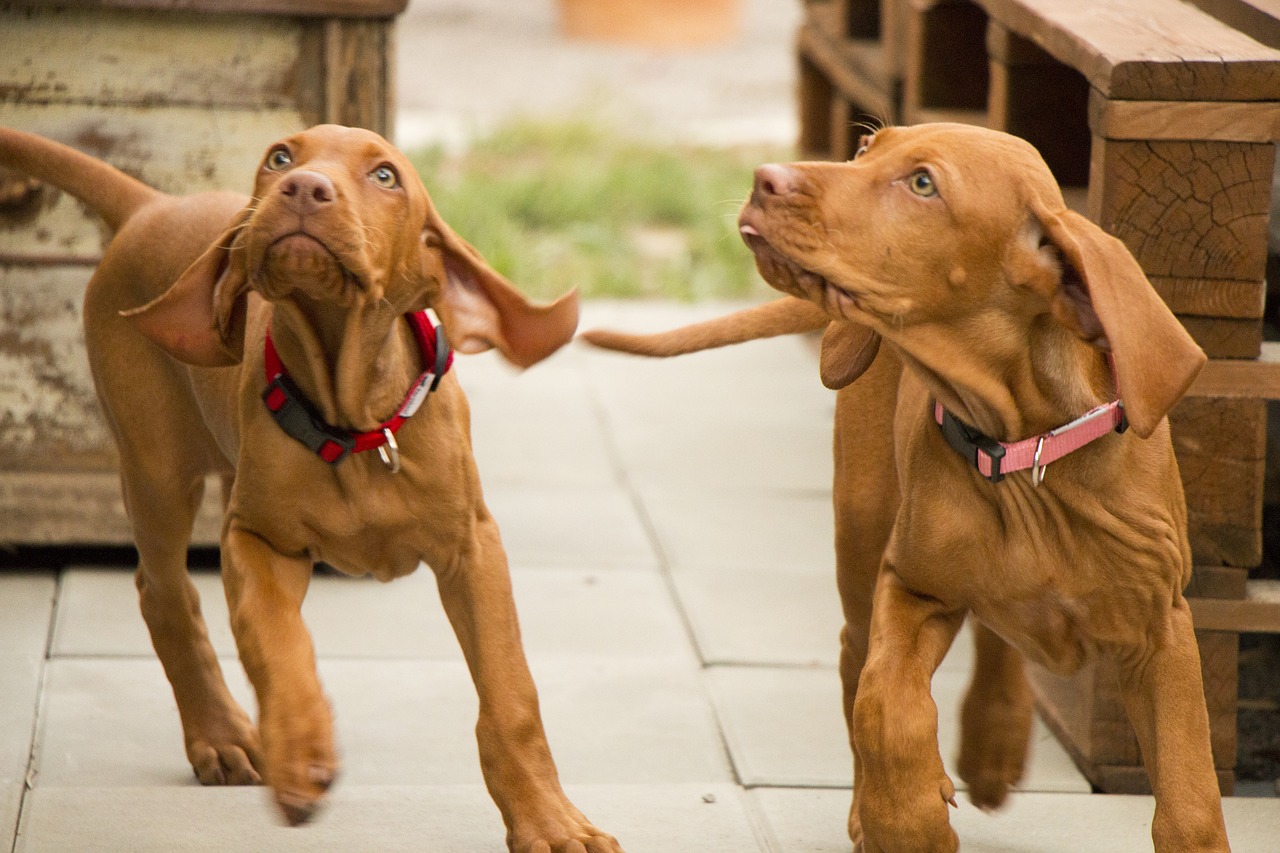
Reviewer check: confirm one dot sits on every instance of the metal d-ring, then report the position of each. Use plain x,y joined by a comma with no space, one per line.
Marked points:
1037,470
389,453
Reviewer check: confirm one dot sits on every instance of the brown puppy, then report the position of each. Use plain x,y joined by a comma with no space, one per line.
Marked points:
336,251
1005,316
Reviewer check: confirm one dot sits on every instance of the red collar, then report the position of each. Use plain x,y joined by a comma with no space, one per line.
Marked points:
298,417
994,459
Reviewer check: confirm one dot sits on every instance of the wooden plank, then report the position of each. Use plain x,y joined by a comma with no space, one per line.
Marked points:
1045,104
1228,121
1253,379
76,56
855,69
1147,49
1087,716
78,508
289,8
356,74
1186,209
1258,19
1210,297
1225,338
49,415
1221,449
1258,613
815,94
179,150
1217,582
945,65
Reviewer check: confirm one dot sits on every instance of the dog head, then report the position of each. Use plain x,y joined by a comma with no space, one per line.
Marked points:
954,243
339,221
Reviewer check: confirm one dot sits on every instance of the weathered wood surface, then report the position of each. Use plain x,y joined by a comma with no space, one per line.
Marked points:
1186,209
1087,716
185,101
1221,447
287,8
1212,297
70,508
136,58
1155,50
1258,612
49,416
1258,19
1257,379
178,150
1224,121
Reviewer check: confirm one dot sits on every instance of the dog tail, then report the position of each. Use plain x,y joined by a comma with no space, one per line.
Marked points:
112,194
786,316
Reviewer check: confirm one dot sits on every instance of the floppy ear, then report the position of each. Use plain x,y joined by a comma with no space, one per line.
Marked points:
1106,299
847,351
200,319
481,310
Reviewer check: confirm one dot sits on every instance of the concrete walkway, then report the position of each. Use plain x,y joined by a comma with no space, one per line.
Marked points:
669,529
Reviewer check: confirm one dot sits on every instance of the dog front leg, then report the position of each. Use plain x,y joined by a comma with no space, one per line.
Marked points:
1164,696
865,500
264,594
221,742
475,589
901,787
995,720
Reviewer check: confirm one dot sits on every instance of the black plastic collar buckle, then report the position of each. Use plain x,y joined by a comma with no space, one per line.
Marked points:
301,422
968,442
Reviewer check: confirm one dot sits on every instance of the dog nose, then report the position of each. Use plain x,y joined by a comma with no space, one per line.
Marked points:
308,191
773,179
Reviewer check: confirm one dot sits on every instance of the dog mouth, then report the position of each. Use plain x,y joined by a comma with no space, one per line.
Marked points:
784,274
304,261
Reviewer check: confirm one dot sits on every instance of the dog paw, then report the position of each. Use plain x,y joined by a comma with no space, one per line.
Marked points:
225,753
567,832
991,766
301,762
994,742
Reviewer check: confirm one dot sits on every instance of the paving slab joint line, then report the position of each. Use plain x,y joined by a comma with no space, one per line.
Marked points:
29,777
664,563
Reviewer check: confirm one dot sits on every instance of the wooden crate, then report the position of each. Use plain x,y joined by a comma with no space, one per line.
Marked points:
1160,123
185,95
1173,136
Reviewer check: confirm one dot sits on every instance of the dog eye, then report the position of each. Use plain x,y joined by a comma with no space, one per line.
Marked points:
921,183
385,177
278,159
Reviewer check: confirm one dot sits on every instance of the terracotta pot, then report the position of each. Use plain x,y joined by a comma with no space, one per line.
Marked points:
652,23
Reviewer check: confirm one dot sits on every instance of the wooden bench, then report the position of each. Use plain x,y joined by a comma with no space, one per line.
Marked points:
186,95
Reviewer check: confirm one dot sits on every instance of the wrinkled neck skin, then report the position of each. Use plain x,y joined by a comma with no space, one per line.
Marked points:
355,363
1010,385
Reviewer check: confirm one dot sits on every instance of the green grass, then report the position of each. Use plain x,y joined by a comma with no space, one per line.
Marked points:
558,205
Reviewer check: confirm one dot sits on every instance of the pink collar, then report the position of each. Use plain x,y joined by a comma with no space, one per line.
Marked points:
994,459
298,417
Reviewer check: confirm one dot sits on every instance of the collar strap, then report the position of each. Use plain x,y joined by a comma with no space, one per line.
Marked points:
298,417
994,459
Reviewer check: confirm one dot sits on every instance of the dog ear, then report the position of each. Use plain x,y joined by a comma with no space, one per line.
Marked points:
1104,297
200,319
847,351
481,310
